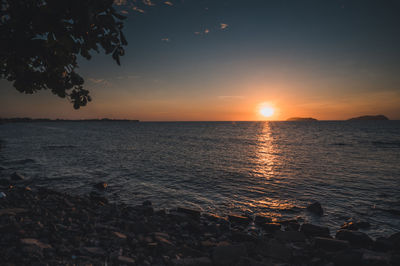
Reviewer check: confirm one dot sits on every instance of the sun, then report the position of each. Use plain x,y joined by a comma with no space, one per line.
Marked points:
267,111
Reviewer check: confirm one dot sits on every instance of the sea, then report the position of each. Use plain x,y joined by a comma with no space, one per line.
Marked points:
247,168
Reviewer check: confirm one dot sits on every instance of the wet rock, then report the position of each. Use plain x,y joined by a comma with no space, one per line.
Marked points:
330,244
271,227
355,225
375,258
126,260
316,208
147,203
312,230
94,251
290,236
97,197
382,244
195,214
32,241
144,210
348,258
262,219
228,255
4,182
17,177
236,219
355,238
101,185
243,237
202,261
277,250
395,241
120,235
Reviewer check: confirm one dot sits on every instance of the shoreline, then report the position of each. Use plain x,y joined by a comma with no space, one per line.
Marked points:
43,226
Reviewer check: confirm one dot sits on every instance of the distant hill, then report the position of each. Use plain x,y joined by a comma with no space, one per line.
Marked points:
369,117
27,119
304,119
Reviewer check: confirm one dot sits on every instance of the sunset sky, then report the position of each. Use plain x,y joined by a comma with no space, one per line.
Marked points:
222,60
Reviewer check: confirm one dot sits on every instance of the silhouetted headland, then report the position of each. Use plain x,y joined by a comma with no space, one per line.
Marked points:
27,119
369,117
304,119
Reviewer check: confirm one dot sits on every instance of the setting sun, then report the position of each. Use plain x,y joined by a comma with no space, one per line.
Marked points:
267,111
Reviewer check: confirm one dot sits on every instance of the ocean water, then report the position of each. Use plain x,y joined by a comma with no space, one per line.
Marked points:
267,168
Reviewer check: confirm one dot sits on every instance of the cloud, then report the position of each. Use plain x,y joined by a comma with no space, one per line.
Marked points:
119,2
197,33
206,31
223,26
168,3
135,8
230,97
124,12
165,40
96,81
148,3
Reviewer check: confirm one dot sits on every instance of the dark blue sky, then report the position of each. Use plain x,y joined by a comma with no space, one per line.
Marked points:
221,60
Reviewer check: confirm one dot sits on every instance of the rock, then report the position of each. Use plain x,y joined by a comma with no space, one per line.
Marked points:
236,219
277,250
316,208
355,238
32,241
382,244
12,211
120,235
95,251
330,244
312,230
4,182
147,203
375,258
195,214
126,260
243,237
271,227
394,240
348,258
290,236
355,225
17,177
262,219
97,197
3,195
101,186
202,261
228,255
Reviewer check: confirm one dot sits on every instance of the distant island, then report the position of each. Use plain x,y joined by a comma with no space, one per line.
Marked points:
303,119
27,119
369,117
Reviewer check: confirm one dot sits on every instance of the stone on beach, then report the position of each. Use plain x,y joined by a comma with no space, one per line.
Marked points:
17,177
101,185
355,238
315,230
228,255
237,219
330,244
316,208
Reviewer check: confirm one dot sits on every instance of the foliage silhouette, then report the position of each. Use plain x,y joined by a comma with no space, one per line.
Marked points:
40,41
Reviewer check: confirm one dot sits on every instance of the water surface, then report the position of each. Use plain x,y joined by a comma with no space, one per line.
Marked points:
272,168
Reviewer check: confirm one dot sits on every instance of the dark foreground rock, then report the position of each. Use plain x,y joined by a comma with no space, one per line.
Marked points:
44,227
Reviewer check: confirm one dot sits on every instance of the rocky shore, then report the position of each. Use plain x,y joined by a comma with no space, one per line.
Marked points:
40,226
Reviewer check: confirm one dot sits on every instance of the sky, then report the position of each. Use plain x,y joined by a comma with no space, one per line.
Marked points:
198,60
